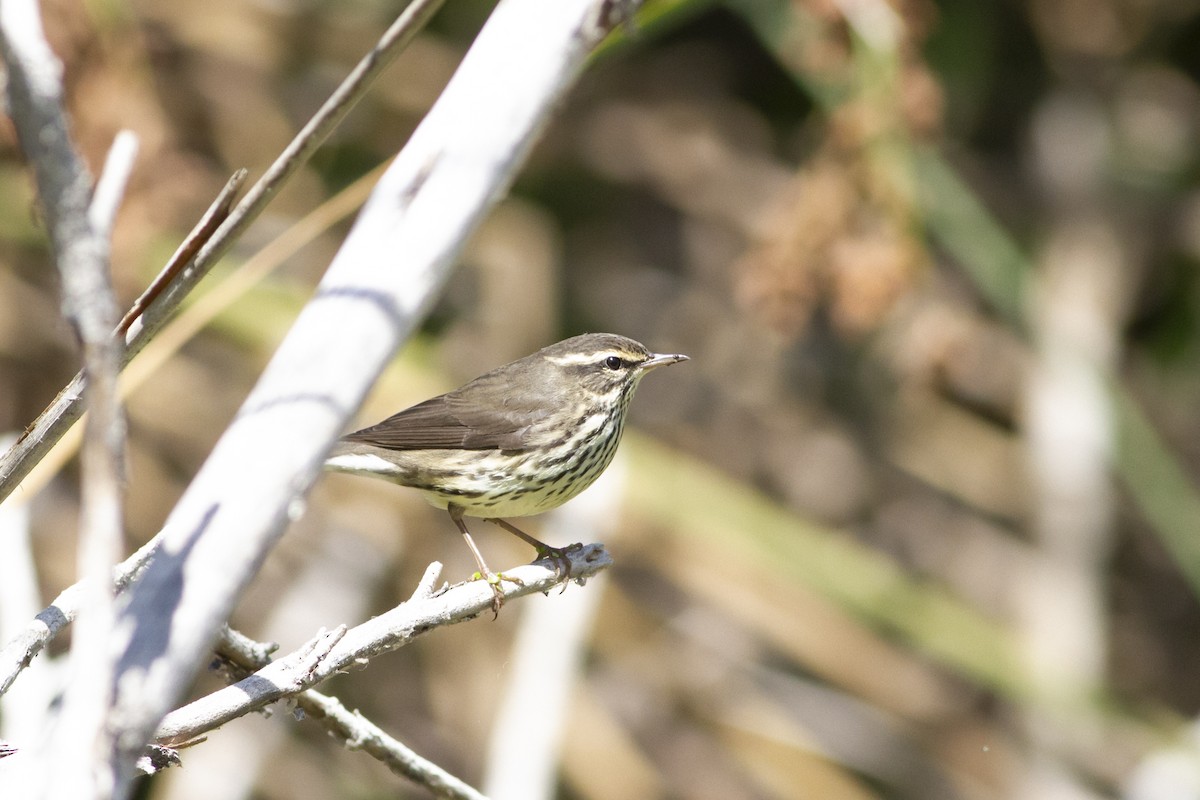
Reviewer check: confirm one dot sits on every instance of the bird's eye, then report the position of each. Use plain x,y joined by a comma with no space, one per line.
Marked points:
612,362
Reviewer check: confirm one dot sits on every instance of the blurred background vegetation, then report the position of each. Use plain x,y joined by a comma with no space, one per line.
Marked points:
919,519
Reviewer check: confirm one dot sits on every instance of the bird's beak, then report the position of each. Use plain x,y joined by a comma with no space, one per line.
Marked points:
661,360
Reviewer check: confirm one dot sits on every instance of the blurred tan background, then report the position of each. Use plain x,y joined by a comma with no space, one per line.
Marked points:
918,520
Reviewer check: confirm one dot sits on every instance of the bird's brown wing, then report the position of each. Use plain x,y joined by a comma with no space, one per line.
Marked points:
450,422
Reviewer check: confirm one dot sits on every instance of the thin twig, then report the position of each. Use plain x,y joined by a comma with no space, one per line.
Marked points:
217,213
110,189
21,713
359,733
24,646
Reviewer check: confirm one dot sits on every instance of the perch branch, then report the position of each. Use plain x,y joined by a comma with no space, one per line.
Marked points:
426,610
243,656
330,653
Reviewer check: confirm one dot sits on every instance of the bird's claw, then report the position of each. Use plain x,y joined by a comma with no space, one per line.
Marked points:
494,579
561,556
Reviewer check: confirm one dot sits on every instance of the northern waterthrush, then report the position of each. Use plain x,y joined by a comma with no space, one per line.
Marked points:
519,440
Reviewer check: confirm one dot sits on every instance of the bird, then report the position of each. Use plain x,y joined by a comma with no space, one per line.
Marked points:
519,440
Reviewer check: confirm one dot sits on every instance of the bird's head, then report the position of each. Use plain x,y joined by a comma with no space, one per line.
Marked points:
603,362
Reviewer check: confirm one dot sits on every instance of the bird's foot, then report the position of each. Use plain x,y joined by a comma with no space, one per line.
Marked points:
561,556
494,579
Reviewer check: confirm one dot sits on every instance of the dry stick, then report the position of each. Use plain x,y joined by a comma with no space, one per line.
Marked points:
217,213
20,599
79,232
360,733
65,410
81,722
21,649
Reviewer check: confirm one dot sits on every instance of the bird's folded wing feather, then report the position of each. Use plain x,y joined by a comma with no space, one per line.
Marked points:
448,422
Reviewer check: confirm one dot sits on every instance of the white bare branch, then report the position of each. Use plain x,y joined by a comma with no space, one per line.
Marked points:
79,226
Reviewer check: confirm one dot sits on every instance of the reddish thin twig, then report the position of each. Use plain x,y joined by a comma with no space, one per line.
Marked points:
217,213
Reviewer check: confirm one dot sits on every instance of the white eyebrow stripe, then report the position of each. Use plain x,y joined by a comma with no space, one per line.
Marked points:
596,356
579,358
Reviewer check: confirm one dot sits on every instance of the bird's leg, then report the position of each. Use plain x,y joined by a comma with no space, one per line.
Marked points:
493,578
559,555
